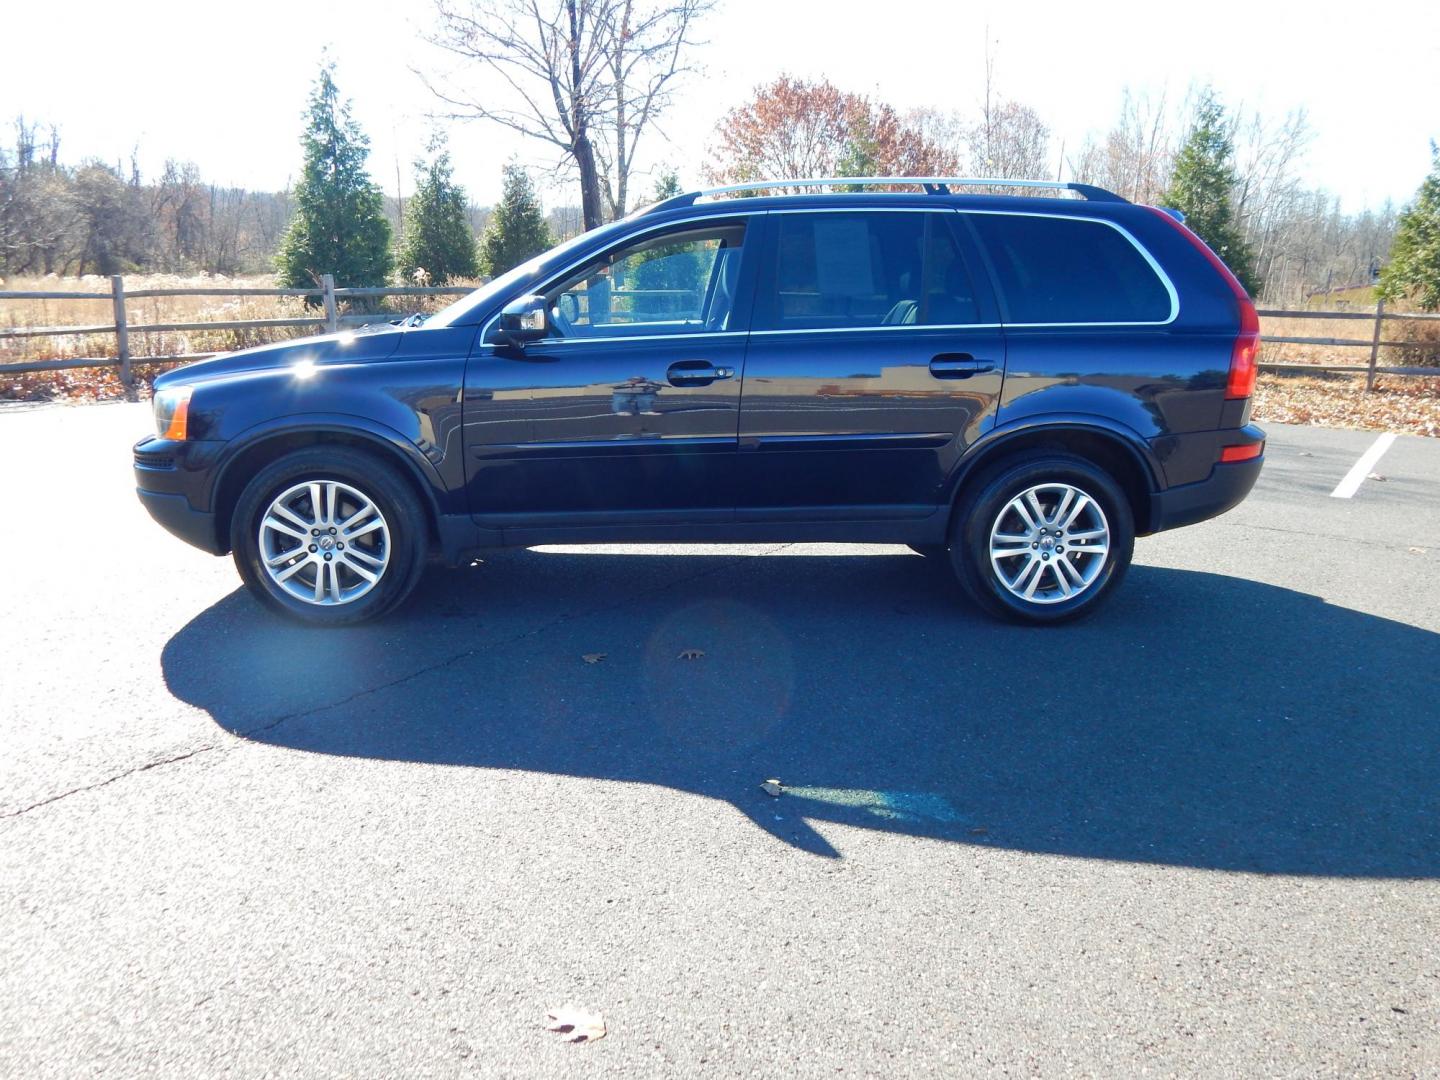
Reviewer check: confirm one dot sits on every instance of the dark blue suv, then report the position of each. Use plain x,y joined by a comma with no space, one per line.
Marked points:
1020,385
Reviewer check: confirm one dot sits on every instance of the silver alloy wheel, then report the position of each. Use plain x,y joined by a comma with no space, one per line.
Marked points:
324,542
1049,543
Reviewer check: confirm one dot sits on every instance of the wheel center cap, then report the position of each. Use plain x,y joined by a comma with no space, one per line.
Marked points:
326,542
1047,543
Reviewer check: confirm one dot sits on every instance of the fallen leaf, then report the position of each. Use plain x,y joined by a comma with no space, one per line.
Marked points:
593,657
1377,476
772,788
576,1024
1416,550
690,654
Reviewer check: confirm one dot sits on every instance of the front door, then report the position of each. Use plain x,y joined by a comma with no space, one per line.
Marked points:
875,359
627,411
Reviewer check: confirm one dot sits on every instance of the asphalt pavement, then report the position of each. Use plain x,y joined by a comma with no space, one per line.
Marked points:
1197,834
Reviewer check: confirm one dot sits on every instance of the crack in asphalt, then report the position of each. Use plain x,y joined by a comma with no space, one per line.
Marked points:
1309,535
171,760
243,736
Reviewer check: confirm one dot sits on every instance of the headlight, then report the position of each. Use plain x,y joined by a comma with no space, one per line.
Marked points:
172,412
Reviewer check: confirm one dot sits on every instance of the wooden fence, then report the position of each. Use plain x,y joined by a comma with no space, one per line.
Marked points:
1375,342
331,320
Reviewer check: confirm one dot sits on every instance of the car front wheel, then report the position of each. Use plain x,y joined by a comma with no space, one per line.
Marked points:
1043,540
329,536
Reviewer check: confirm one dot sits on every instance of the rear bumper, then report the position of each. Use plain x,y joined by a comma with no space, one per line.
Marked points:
1226,487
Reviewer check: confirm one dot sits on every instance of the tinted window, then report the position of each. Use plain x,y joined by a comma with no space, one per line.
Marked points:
1065,270
676,283
850,270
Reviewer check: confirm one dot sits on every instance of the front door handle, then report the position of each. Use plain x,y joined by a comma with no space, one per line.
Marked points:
959,366
696,373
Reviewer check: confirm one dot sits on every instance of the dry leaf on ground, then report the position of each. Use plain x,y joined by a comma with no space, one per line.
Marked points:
690,654
593,657
772,787
576,1024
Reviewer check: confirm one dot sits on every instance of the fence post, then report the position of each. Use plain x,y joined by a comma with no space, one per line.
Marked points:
1375,344
122,336
332,314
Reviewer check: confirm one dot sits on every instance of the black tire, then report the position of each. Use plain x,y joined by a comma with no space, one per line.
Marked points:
980,511
403,515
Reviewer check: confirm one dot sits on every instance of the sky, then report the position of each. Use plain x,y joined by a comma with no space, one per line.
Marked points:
226,86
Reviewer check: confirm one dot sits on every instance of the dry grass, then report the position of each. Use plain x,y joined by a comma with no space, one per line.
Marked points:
100,384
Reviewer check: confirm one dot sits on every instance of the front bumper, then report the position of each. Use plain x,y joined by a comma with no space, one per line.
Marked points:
172,480
179,518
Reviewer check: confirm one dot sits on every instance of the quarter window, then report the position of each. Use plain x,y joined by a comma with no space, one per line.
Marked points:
677,283
1069,270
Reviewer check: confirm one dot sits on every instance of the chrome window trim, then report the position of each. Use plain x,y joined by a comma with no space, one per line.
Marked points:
898,327
1144,254
714,215
642,337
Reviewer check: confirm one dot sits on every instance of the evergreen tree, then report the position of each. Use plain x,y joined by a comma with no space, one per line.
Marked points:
339,225
1202,187
438,239
516,230
667,185
1414,267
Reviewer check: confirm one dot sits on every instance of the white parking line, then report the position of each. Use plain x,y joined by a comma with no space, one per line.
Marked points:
1361,469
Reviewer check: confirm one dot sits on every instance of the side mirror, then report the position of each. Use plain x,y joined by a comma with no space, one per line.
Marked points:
525,319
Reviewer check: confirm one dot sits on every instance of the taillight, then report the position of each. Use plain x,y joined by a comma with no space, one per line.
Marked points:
1245,353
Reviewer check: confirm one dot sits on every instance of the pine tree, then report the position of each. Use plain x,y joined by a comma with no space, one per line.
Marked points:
516,230
667,185
339,225
1203,185
1414,267
438,239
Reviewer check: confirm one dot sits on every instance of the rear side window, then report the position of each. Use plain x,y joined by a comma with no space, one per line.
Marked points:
1068,270
865,269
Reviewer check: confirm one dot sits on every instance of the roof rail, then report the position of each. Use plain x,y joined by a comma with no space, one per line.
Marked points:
933,185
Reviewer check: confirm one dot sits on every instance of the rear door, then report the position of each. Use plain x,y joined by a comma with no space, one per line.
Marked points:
875,359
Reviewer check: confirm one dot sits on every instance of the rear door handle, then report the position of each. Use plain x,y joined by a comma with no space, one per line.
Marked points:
696,373
959,366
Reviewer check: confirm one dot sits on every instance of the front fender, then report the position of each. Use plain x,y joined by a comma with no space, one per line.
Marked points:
314,427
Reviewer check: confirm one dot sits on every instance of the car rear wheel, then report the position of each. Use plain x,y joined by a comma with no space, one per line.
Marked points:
329,536
1042,539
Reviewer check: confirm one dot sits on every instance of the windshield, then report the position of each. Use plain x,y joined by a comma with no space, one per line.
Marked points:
469,307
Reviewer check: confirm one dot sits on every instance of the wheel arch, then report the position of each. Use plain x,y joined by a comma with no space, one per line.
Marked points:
1124,455
258,447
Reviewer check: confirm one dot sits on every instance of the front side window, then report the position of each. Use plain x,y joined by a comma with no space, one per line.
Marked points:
1070,270
857,270
676,283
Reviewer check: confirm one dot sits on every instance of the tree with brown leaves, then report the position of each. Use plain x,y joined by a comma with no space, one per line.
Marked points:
792,129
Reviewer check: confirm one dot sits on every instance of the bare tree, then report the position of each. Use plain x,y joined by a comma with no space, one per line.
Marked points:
1135,156
589,77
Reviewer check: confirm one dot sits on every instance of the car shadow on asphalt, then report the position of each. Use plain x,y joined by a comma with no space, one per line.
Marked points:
1199,720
